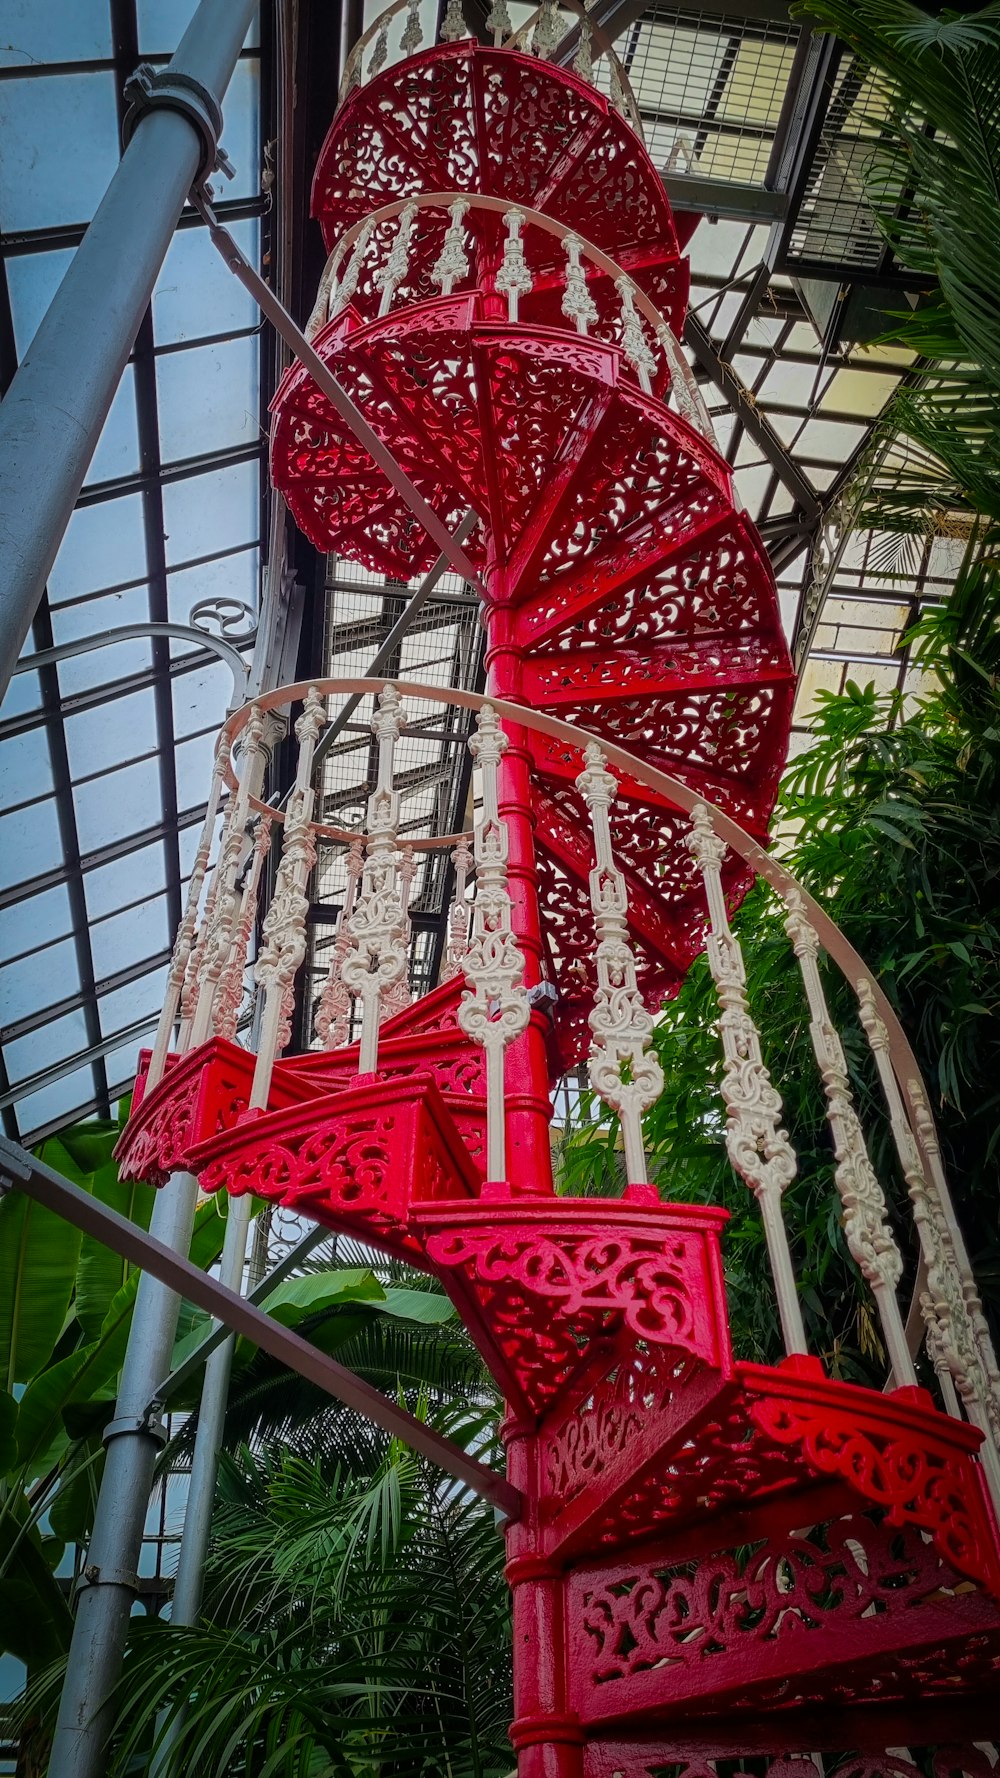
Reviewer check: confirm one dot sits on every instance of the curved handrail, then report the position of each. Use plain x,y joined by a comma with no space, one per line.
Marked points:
677,364
353,74
939,1234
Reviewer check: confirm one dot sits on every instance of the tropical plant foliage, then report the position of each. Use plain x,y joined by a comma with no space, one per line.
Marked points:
938,201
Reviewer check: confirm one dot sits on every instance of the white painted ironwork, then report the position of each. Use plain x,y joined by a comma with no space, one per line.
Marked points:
548,30
413,35
220,929
184,942
577,304
583,61
453,261
376,960
458,917
453,25
399,996
757,1145
283,936
229,998
328,296
393,273
380,53
688,398
495,1007
635,345
513,280
333,1015
498,20
342,293
623,1069
866,1225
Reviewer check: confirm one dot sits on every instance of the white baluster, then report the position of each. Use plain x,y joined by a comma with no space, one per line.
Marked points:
513,280
495,1008
396,266
220,932
453,25
377,958
324,307
634,343
333,1015
684,387
413,34
283,936
616,92
869,1237
547,31
184,942
577,304
623,1070
758,1147
957,1335
380,52
398,996
583,61
458,918
342,294
229,997
498,20
453,261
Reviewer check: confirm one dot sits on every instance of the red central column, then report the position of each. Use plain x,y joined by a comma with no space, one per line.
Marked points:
529,1109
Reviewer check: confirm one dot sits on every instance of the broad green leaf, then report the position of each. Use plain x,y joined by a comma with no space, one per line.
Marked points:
8,1432
35,1619
298,1297
428,1306
101,1272
38,1259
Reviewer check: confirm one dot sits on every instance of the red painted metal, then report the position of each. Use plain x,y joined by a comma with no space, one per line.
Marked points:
714,1558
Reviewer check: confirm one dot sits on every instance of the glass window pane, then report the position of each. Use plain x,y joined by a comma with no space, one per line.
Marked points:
45,179
104,545
21,923
30,843
25,768
204,513
117,450
207,398
54,30
196,293
43,1048
38,981
99,739
138,873
128,937
33,279
136,1000
118,804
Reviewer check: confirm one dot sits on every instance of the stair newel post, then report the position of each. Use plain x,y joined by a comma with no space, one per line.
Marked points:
333,1015
184,941
634,343
452,263
393,273
495,1007
623,1069
548,1737
458,917
870,1240
230,995
376,960
577,304
758,1148
221,929
283,935
513,280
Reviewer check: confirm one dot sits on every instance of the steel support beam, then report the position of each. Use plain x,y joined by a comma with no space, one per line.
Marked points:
20,1170
53,413
754,421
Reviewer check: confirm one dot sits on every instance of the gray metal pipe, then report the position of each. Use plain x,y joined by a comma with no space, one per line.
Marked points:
86,1708
52,415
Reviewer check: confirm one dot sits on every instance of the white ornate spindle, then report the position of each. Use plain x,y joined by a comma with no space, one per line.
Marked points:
634,343
513,280
583,61
616,92
495,1007
498,20
453,262
396,266
413,33
376,960
866,1227
333,1014
326,295
221,930
547,31
229,998
283,935
380,53
341,294
577,304
184,942
623,1069
458,918
453,25
195,962
950,1304
398,996
758,1147
684,387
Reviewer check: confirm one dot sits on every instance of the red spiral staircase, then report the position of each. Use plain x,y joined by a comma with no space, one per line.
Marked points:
715,1558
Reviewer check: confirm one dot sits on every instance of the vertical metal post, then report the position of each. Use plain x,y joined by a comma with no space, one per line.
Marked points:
52,415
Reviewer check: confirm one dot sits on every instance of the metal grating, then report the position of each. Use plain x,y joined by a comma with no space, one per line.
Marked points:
835,225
